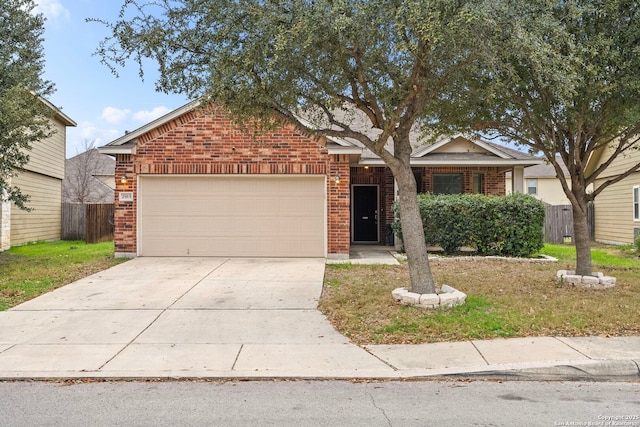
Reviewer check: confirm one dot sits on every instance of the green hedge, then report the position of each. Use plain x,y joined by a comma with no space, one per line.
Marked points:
494,225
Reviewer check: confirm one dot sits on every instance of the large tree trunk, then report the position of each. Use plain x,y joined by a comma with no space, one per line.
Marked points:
413,233
582,239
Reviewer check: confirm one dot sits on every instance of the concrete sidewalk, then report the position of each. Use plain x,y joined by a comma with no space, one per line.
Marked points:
543,358
253,318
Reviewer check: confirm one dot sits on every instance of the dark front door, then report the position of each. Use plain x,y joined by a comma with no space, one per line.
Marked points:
365,213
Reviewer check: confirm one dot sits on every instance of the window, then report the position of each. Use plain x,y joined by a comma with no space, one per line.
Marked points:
532,186
636,203
478,183
447,183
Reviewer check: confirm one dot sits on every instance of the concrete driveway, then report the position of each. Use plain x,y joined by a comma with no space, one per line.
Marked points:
184,317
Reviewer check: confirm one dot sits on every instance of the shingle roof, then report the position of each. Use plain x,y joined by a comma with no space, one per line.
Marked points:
357,121
545,170
80,180
101,163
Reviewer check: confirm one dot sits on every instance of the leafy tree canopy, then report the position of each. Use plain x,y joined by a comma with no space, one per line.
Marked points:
23,115
562,78
386,58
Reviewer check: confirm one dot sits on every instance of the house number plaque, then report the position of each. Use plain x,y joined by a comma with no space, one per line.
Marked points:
126,196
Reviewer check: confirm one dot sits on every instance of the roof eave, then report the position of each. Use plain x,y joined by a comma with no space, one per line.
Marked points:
152,125
426,162
66,120
345,150
112,150
423,151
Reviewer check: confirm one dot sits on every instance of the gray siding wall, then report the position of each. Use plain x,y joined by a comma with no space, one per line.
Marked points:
47,157
614,206
44,221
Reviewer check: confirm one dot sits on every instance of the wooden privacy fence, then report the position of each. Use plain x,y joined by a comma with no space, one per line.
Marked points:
92,223
559,223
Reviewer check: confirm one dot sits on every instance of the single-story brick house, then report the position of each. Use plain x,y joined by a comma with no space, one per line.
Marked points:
191,183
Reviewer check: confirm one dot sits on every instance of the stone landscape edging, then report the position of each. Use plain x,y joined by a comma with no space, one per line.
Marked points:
597,280
435,257
447,297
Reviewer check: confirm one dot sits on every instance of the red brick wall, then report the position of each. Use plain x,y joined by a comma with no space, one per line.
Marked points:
124,234
207,142
339,205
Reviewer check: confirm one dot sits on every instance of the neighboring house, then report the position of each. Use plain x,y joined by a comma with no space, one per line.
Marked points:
540,181
42,181
192,184
89,178
617,208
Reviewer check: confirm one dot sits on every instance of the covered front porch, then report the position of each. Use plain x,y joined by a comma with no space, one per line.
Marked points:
373,192
453,165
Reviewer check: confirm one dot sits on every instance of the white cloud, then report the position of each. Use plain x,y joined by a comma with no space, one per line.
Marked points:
88,131
52,9
147,116
114,115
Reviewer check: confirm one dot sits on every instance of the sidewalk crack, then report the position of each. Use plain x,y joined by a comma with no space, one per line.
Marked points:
480,353
233,367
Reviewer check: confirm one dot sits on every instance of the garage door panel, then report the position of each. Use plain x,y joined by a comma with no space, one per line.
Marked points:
284,205
232,216
221,246
173,228
206,249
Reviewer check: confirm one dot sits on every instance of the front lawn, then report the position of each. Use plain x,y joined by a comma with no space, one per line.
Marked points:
31,270
504,299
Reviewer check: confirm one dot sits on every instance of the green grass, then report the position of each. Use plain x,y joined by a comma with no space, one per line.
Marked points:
31,270
601,256
477,318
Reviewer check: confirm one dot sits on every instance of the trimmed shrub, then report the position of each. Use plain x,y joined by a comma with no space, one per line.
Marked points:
494,225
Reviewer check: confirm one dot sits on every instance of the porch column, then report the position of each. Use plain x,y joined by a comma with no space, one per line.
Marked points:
5,222
397,242
338,207
517,179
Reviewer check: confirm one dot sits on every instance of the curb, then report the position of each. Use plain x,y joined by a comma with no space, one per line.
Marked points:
600,371
588,371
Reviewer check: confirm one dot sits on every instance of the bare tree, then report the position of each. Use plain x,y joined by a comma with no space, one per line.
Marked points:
81,184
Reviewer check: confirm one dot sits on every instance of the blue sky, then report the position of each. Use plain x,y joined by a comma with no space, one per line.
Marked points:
103,105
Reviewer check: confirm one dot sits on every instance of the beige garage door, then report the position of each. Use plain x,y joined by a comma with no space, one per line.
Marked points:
261,216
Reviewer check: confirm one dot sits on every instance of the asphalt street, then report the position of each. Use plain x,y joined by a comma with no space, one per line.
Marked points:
320,403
